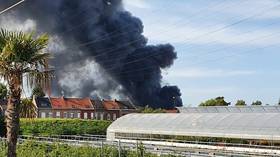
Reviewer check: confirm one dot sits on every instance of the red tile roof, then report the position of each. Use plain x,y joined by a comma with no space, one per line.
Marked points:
71,103
172,111
110,105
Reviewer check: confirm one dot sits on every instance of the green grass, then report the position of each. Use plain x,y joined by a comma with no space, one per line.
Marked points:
33,149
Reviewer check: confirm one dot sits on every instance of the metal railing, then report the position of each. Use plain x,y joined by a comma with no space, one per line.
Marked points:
99,141
222,144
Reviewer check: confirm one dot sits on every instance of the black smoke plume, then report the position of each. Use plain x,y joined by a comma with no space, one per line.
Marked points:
99,50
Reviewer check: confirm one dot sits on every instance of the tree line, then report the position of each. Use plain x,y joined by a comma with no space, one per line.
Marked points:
220,101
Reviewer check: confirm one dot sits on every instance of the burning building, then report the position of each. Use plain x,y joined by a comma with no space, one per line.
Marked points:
99,50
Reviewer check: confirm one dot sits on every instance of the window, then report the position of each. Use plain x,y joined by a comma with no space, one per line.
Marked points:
92,115
108,116
58,114
114,116
43,115
96,115
72,115
65,115
85,115
101,116
50,114
79,115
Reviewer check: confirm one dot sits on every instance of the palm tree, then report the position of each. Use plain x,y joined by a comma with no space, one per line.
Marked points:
3,91
38,92
27,109
21,56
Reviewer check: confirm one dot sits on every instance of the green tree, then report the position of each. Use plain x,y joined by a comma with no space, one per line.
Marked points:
278,102
3,91
257,103
21,55
151,110
38,92
219,101
28,109
240,103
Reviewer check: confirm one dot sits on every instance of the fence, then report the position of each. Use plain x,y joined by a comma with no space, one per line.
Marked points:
99,141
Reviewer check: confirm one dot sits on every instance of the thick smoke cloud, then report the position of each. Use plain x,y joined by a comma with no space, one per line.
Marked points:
99,51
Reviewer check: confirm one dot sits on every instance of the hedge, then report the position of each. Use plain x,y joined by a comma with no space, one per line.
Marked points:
47,127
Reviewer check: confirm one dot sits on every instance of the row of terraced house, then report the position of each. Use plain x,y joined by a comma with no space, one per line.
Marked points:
83,108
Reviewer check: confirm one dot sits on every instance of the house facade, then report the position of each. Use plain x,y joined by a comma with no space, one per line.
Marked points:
72,108
106,110
126,107
44,107
83,108
112,109
64,107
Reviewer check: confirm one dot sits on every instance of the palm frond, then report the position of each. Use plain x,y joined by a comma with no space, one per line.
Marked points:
40,58
28,109
24,53
39,78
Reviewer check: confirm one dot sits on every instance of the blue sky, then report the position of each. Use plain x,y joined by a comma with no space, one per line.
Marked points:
215,58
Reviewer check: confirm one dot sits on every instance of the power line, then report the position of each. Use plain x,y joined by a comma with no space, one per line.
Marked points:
251,41
208,52
152,67
109,50
234,54
242,20
153,55
113,49
239,34
105,51
112,68
102,37
148,68
212,32
9,8
112,34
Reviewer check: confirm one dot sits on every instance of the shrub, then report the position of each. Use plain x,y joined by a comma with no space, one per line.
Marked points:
46,127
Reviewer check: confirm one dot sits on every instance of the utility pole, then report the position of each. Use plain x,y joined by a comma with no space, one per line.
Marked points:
101,151
119,148
11,7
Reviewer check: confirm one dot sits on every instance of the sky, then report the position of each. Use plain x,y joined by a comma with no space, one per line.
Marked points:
225,48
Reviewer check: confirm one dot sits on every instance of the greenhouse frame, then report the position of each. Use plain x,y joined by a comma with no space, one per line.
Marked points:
233,125
230,109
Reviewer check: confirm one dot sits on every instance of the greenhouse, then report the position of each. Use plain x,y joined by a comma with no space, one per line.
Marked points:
231,109
248,126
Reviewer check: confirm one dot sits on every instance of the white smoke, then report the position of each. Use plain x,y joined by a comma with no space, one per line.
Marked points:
75,76
11,23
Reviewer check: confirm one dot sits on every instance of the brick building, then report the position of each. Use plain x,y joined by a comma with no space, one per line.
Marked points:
64,107
72,107
126,107
83,108
112,109
44,107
